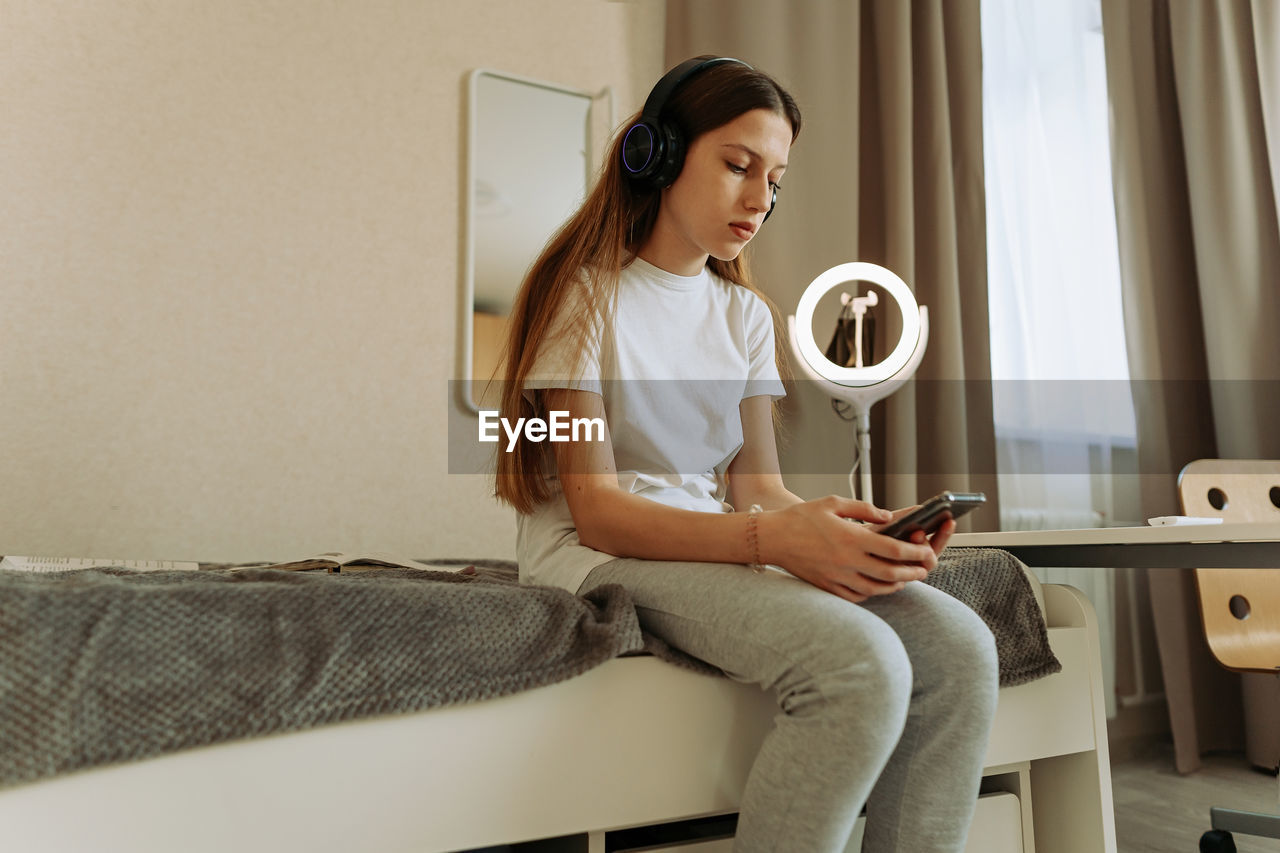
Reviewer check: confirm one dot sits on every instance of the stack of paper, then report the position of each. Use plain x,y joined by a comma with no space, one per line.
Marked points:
63,564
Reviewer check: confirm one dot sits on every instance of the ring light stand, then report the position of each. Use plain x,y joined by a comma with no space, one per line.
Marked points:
861,386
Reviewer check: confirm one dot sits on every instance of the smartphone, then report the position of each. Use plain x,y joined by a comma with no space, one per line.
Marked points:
930,515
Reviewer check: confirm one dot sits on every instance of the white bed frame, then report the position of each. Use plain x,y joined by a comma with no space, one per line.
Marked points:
633,742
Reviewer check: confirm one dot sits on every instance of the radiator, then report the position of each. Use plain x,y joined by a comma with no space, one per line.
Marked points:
1048,518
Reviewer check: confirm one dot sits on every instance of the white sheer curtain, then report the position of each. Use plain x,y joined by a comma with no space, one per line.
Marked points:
1063,412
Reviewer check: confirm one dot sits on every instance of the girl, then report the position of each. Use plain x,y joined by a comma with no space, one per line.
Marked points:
640,313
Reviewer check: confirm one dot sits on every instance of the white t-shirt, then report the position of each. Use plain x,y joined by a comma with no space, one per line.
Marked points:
674,361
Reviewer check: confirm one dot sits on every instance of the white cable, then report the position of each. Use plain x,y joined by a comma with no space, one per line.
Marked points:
857,460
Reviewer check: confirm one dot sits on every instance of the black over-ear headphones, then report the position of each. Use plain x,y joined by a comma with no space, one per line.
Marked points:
653,149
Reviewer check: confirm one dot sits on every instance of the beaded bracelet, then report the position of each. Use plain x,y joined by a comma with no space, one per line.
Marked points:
753,537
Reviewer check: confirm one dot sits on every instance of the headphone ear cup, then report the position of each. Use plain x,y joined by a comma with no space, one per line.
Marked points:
642,151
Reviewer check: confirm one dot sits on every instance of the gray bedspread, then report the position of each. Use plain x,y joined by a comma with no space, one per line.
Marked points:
102,666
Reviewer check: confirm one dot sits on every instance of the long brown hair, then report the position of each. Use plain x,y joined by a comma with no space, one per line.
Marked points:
601,240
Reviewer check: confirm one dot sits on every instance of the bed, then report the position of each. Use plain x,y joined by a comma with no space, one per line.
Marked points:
580,763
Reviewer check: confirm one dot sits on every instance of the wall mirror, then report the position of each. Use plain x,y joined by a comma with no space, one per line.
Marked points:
528,167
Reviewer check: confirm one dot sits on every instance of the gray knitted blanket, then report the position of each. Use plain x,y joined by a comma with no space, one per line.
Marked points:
108,665
994,584
102,666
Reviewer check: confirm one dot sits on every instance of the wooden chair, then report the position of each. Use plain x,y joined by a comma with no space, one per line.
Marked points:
1239,608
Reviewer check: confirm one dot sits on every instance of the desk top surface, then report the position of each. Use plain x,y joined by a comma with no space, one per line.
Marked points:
1172,547
1171,534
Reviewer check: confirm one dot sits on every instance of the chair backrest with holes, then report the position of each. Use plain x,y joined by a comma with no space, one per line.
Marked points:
1240,608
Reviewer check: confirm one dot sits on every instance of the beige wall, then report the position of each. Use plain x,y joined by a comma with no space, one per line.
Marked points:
229,265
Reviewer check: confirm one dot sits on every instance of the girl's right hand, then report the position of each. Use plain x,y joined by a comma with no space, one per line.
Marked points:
816,541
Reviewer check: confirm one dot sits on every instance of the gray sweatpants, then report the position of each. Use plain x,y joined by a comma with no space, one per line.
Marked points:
886,703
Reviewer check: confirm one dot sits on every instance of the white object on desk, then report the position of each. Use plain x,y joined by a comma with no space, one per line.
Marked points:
1166,520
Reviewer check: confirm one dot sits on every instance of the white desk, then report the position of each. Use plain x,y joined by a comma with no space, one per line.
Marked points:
1199,546
1203,699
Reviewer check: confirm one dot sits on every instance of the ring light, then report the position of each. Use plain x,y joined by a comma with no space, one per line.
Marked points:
908,343
862,387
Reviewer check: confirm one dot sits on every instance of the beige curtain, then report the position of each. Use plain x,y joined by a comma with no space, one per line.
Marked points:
888,169
1195,93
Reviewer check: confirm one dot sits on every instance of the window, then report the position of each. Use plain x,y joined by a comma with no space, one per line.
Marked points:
1064,416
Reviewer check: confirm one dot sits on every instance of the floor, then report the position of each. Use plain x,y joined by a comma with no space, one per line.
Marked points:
1159,811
